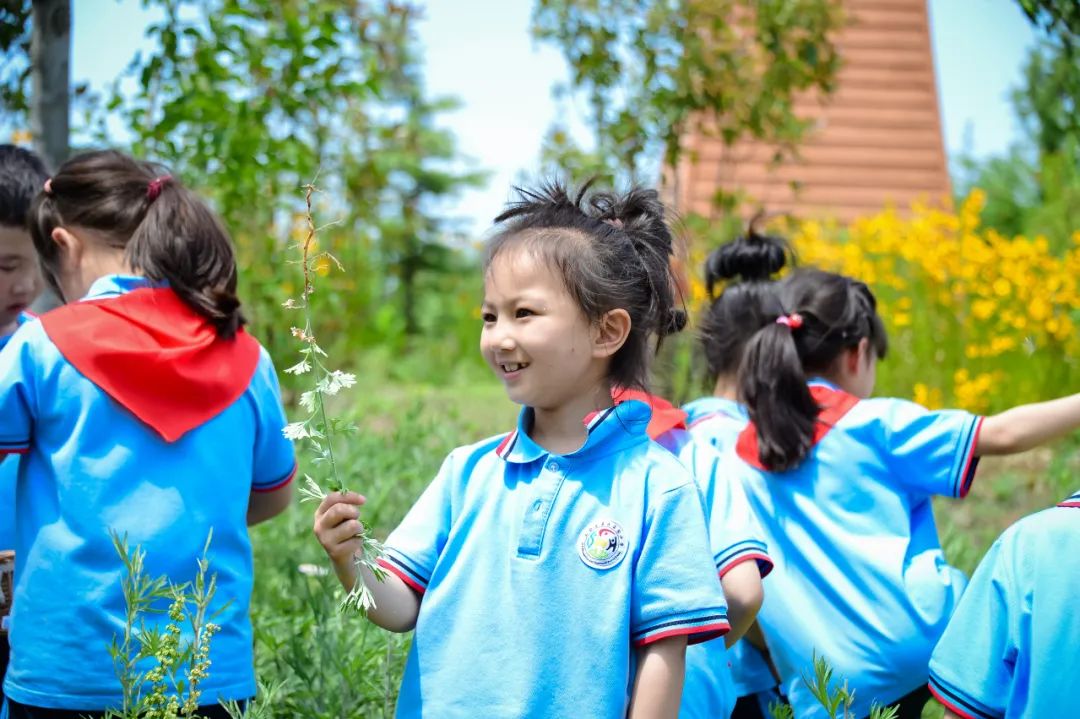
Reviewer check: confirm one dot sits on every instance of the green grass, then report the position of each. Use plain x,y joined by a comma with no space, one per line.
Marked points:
336,666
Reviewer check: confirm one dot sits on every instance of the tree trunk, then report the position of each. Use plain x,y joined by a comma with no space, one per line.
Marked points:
50,61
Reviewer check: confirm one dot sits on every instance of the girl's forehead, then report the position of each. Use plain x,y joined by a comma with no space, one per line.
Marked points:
518,269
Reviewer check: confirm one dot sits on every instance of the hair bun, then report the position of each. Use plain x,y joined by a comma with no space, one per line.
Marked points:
750,257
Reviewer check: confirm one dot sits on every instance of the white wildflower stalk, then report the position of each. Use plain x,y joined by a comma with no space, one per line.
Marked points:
317,429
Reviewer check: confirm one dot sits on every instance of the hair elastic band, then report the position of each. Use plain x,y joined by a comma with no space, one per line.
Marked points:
47,187
154,188
794,320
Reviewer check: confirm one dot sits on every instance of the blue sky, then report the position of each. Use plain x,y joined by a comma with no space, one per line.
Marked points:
481,51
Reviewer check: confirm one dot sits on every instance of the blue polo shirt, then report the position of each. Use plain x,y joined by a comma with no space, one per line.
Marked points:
1012,648
542,574
8,469
90,466
860,576
718,421
709,690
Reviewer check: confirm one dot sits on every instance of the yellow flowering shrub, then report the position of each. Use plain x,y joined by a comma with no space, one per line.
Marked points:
976,320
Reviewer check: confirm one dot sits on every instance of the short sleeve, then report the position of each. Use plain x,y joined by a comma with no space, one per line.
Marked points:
734,533
972,667
676,588
929,452
414,547
17,396
275,457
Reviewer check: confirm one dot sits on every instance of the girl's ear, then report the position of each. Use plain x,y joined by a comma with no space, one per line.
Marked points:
69,244
610,333
857,357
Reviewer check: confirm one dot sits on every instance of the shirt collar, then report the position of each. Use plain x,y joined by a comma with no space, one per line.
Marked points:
1073,501
822,382
609,430
708,406
115,285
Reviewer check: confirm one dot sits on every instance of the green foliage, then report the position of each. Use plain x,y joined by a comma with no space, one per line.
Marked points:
653,69
834,697
249,100
169,688
1034,189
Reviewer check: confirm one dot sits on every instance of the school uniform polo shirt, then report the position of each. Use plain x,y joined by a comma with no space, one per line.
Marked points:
860,576
8,470
90,465
717,421
709,690
1012,649
543,574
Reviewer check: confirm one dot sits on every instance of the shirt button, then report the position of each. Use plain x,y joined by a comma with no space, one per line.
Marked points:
553,466
537,505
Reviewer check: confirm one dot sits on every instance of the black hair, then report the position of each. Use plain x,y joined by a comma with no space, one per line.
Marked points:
167,233
22,174
612,251
745,267
836,313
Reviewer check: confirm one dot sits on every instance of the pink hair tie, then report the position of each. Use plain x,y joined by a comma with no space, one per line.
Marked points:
47,187
794,321
154,188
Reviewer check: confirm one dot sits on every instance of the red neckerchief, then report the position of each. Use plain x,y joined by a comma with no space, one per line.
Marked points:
834,404
665,416
157,357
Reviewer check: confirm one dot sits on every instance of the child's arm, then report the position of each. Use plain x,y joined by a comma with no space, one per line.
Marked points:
744,594
264,505
658,685
1027,426
336,526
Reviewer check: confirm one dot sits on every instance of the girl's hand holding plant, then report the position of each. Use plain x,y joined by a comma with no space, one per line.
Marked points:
339,531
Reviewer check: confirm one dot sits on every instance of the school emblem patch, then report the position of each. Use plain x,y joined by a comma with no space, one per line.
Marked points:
602,544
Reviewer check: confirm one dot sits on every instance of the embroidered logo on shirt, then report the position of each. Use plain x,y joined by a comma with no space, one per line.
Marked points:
602,544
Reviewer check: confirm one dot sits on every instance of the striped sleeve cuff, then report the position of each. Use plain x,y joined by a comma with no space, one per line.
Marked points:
960,703
743,551
697,628
276,484
404,569
14,446
969,462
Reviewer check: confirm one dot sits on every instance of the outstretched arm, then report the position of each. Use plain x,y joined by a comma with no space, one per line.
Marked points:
1027,426
336,526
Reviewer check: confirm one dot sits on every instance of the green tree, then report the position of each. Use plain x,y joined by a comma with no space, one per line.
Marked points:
650,68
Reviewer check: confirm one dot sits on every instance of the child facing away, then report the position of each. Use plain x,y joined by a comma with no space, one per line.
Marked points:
745,268
739,554
842,487
1012,649
140,407
21,176
561,569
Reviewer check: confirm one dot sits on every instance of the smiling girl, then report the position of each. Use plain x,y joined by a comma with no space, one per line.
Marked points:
560,569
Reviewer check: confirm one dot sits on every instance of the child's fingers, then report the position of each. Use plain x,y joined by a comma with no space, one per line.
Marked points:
339,498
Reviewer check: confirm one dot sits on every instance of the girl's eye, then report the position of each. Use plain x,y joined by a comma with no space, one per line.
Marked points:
487,317
522,312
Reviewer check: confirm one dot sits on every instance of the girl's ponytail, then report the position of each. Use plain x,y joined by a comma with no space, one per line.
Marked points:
166,232
642,217
180,241
772,384
820,316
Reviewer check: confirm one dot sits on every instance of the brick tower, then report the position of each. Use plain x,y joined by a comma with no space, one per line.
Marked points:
877,140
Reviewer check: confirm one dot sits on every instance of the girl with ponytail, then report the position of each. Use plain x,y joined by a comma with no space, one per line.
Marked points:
739,277
842,486
140,407
561,569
